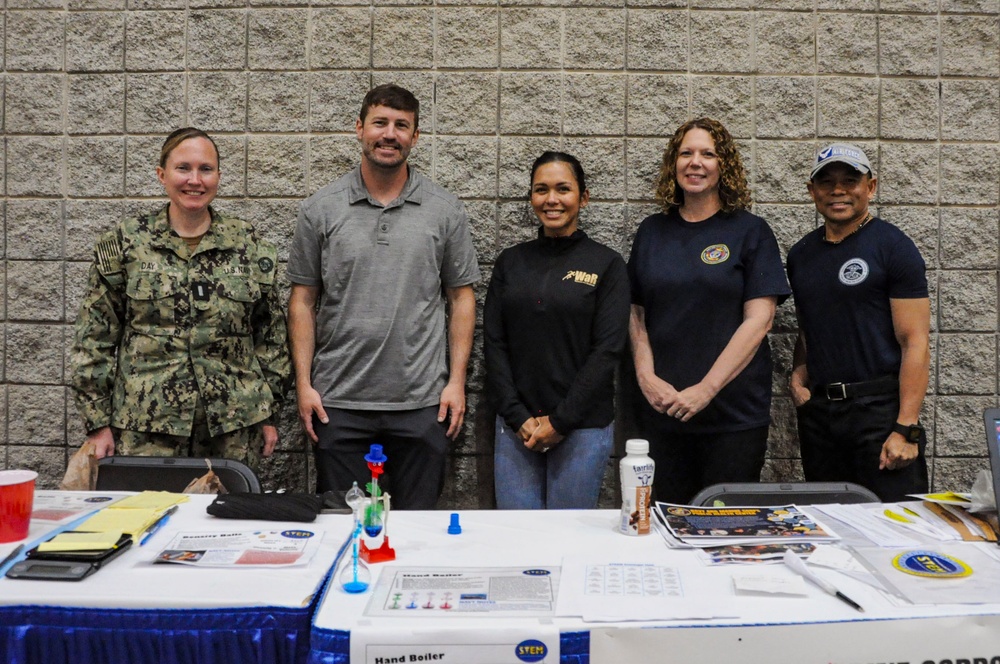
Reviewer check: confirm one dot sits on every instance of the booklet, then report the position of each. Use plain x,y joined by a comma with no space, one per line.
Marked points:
719,526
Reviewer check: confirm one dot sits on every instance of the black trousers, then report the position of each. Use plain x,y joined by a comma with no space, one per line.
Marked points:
414,442
841,442
686,463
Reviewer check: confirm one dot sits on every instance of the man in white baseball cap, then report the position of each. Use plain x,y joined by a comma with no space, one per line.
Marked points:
862,357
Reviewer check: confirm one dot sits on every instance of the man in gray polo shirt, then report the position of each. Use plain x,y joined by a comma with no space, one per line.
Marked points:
375,256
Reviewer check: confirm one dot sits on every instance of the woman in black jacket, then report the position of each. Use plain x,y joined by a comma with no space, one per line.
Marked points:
555,321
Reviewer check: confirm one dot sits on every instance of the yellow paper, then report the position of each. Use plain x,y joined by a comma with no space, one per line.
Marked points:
156,500
133,522
76,541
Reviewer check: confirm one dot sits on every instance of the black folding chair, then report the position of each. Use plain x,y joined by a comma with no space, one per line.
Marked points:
137,473
765,494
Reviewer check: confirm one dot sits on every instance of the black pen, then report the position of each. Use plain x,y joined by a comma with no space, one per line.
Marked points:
800,568
844,598
12,555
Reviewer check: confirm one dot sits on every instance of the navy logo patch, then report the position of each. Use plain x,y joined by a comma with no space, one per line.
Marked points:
853,272
265,264
717,253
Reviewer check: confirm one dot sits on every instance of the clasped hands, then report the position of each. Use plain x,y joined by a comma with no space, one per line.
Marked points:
682,405
539,435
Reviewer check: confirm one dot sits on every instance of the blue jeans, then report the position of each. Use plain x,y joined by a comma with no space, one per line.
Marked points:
568,476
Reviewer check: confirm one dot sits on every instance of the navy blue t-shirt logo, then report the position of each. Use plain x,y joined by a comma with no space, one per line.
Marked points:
853,272
717,253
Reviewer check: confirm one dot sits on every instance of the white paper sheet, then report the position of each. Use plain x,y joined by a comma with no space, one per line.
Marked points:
608,590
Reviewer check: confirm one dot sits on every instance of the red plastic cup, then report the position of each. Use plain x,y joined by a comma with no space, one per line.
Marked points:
17,493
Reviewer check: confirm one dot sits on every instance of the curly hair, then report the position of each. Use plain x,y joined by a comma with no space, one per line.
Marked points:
734,193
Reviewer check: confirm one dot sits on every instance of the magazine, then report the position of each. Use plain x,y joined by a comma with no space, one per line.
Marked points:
721,526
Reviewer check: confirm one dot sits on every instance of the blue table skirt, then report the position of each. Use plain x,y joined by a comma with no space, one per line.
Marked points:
47,635
333,646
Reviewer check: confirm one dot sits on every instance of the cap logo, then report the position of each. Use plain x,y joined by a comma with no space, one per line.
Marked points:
853,272
717,253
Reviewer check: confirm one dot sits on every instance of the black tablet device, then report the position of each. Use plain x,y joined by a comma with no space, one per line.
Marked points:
992,418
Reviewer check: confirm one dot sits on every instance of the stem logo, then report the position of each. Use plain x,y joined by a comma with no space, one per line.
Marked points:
531,651
297,534
929,563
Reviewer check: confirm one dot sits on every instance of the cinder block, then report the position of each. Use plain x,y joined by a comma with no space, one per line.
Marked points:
466,103
969,46
530,38
341,38
786,106
35,41
967,301
786,42
102,156
34,229
973,110
217,100
154,102
603,161
908,45
970,174
30,155
721,41
277,38
966,364
594,104
86,220
35,290
96,104
34,103
908,173
856,55
276,166
409,44
467,37
847,107
335,99
154,41
517,154
329,158
530,103
278,101
969,238
728,99
217,39
657,104
921,224
595,38
35,353
466,165
95,41
909,109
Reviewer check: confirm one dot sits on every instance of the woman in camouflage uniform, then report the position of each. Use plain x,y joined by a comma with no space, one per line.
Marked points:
180,345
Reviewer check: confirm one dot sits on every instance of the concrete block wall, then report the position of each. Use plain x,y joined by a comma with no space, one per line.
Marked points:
91,87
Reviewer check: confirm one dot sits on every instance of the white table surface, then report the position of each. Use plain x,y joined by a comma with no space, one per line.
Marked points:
543,538
132,581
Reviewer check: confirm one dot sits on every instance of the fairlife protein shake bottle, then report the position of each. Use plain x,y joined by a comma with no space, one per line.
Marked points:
636,470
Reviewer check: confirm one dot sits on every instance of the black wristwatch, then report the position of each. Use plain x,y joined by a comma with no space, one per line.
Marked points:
911,432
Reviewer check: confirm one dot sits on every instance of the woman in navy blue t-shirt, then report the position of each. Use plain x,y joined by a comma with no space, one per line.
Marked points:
706,277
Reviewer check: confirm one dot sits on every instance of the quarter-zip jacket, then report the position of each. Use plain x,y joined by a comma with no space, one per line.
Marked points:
555,324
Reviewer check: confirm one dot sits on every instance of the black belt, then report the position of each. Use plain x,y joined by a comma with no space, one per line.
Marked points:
867,388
